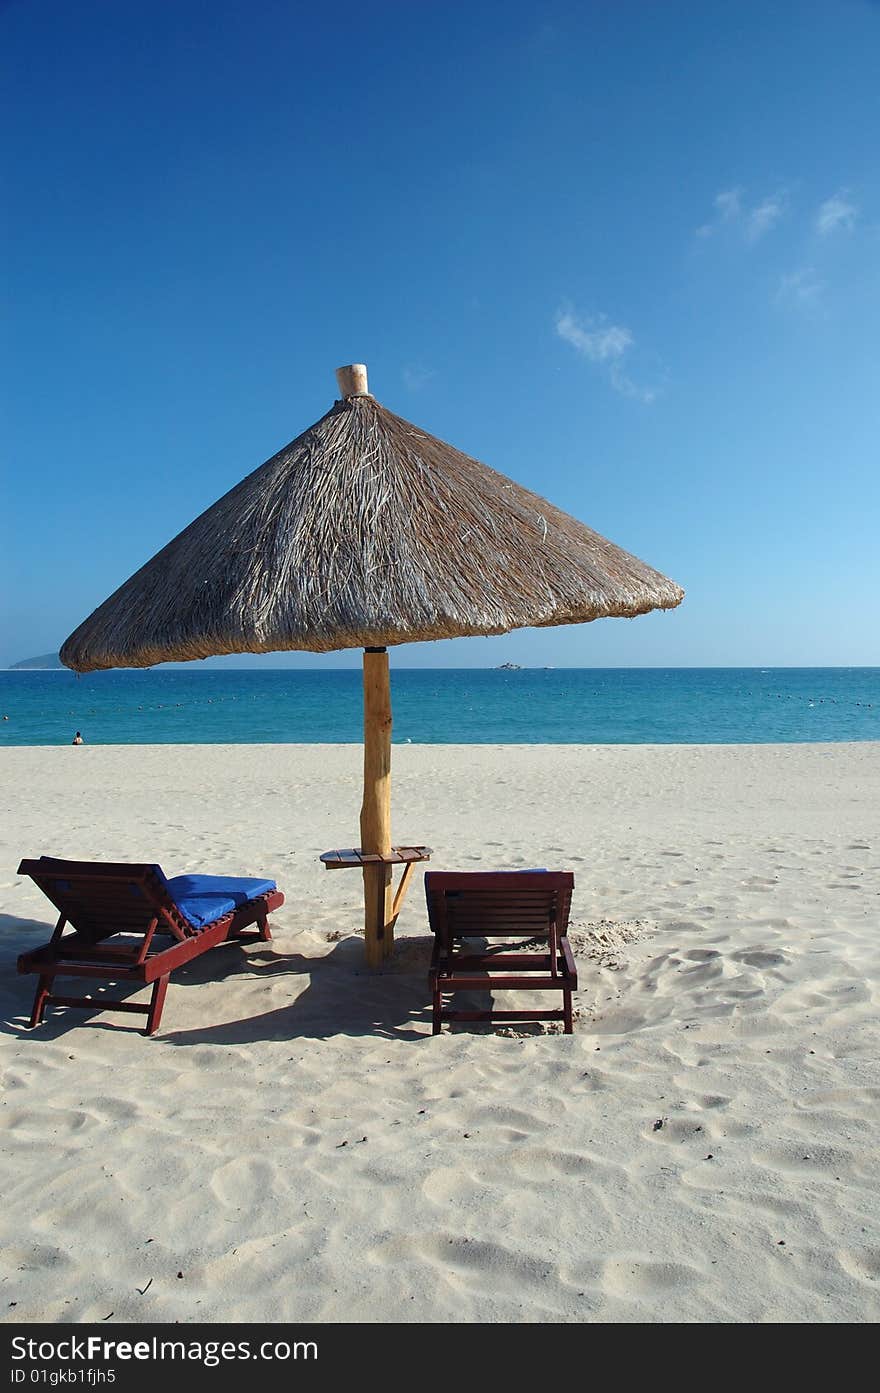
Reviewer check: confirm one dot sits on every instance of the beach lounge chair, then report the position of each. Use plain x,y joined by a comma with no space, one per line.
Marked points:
505,905
129,924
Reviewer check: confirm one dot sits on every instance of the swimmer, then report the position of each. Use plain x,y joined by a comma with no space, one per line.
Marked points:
77,739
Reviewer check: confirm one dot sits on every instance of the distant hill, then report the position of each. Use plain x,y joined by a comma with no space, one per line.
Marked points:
48,660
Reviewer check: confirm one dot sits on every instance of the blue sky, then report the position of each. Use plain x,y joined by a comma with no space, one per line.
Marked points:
628,254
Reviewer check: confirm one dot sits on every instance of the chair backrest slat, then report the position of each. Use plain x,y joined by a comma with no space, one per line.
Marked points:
506,904
103,898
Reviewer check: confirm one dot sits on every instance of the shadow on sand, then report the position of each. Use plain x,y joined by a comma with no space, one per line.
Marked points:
339,995
342,996
331,994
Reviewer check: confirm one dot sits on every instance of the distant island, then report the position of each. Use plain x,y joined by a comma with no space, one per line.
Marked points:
509,667
49,661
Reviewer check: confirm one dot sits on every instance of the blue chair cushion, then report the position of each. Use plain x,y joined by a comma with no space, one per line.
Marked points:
203,898
200,898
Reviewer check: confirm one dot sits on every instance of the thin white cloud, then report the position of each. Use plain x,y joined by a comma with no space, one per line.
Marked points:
752,222
601,342
728,206
415,377
801,287
765,217
627,388
836,214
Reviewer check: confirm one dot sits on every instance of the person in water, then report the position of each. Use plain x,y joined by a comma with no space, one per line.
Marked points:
77,739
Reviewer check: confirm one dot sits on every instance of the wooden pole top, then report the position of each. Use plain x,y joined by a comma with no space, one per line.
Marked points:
352,380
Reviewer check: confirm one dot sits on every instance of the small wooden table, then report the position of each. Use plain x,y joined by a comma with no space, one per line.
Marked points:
347,858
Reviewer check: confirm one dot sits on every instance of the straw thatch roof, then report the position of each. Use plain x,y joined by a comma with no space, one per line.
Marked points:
364,531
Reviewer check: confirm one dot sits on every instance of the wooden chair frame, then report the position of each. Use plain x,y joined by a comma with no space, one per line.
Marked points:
507,905
121,919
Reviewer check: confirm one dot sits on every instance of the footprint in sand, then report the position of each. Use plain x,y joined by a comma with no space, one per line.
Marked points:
35,1258
861,1263
759,957
237,1182
805,1158
782,1207
467,1260
504,1116
538,1164
634,1278
451,1185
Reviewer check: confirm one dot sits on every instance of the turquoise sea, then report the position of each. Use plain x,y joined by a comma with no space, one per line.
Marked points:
442,706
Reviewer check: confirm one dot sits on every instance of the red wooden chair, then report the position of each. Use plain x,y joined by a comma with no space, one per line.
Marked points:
129,924
505,905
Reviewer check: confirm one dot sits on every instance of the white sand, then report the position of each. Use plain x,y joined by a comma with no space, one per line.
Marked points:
297,1146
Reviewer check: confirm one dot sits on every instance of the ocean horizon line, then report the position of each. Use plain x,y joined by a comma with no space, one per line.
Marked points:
196,666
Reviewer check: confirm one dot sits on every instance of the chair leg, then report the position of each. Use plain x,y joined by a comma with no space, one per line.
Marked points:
157,1001
566,1012
265,931
44,987
436,1024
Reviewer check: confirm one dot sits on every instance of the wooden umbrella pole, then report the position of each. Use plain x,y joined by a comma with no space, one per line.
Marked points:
376,807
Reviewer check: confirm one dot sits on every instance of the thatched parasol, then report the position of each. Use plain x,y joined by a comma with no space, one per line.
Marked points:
364,532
